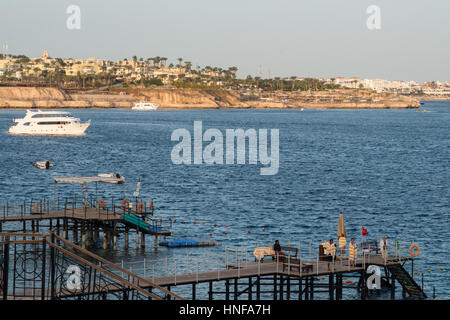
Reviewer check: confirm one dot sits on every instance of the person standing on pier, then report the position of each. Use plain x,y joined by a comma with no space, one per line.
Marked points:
352,252
383,247
342,244
330,250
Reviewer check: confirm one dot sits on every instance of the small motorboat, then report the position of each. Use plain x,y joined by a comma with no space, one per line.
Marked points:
144,106
43,164
109,175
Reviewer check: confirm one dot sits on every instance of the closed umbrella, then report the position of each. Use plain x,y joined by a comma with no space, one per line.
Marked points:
342,232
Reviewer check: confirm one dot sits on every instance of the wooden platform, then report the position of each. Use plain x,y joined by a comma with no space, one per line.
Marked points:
79,214
270,268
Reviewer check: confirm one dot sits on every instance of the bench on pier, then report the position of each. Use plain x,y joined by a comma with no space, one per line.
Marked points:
370,246
262,252
290,251
294,263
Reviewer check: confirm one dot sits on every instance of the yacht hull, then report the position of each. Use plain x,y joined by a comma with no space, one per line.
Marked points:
42,130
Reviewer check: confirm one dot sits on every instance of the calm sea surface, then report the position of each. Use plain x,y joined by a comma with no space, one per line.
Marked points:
385,169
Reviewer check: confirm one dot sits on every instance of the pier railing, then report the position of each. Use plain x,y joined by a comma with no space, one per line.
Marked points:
242,257
72,206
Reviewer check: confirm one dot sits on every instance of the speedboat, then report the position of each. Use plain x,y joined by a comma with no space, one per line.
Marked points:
58,123
143,106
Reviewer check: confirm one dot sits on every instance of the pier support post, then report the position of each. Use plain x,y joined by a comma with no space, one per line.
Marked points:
83,235
227,289
331,286
339,288
392,287
210,291
250,288
115,241
300,288
281,286
58,227
193,291
88,234
75,232
83,239
306,288
156,241
65,232
105,240
288,288
142,240
126,237
137,239
364,289
258,288
275,293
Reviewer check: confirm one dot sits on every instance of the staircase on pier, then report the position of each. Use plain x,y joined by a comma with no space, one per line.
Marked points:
406,281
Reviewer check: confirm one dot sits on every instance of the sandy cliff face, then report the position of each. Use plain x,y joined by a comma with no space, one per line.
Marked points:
41,97
190,98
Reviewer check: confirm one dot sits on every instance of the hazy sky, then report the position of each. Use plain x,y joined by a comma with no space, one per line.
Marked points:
320,38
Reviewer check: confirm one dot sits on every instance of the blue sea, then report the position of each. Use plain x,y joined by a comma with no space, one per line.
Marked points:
386,170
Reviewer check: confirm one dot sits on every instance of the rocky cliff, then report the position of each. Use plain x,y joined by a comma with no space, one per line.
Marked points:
42,97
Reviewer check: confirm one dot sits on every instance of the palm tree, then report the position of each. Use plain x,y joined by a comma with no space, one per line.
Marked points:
293,78
164,60
179,62
188,65
156,61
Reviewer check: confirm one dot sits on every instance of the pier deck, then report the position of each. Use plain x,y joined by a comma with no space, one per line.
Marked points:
252,278
82,212
272,267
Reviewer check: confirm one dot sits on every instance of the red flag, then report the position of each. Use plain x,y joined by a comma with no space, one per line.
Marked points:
364,231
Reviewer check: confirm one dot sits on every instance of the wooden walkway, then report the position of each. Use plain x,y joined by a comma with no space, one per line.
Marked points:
77,213
270,268
80,214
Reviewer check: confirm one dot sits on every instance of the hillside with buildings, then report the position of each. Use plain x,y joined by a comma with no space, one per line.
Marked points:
46,82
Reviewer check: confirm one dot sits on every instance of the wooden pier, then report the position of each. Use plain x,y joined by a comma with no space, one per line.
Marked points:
281,283
102,279
85,219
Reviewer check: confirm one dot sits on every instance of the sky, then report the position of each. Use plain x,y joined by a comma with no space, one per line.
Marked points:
320,38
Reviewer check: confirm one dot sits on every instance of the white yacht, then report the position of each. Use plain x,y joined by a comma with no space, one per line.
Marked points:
145,106
37,122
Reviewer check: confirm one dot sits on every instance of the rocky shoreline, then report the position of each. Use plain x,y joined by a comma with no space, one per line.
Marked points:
48,98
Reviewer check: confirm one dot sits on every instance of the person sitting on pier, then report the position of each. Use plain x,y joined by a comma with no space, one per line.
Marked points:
277,249
352,252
